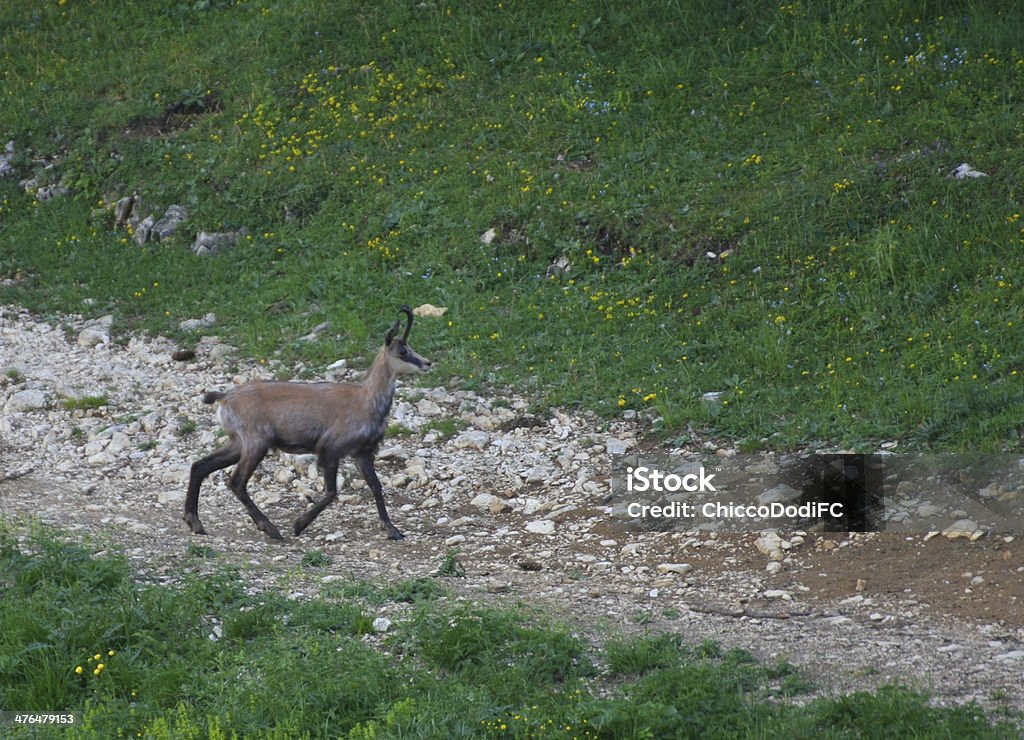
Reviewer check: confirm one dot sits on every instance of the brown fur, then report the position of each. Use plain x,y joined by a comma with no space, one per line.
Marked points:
330,420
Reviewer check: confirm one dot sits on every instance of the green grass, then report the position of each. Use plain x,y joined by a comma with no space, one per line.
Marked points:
859,293
85,403
208,657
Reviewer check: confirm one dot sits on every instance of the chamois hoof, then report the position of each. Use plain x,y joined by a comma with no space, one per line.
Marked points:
394,534
194,524
269,529
300,524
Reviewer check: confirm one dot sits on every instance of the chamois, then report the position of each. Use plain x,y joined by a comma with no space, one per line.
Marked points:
331,420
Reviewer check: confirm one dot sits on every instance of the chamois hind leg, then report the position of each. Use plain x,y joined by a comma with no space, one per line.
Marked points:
330,469
247,465
226,456
364,462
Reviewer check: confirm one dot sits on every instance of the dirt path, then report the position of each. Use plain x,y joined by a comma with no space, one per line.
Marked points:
855,611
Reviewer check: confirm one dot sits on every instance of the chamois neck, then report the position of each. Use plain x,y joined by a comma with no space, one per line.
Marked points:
380,380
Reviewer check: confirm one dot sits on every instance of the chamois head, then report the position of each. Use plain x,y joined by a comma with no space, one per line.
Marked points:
403,358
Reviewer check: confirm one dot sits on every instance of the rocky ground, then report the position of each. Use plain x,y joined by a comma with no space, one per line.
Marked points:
97,434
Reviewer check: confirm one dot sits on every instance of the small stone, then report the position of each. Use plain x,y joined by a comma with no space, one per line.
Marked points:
483,500
538,474
960,528
426,407
457,539
778,593
676,568
541,526
119,441
97,332
472,439
381,624
559,267
499,506
780,494
141,229
192,324
964,171
101,458
92,336
429,310
269,497
51,191
25,400
6,168
769,542
284,476
123,209
614,446
173,218
492,503
209,243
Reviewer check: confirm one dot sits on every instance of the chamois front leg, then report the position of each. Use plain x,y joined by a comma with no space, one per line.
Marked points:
364,461
330,468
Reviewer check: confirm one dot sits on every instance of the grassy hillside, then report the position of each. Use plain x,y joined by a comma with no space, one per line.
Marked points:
754,199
